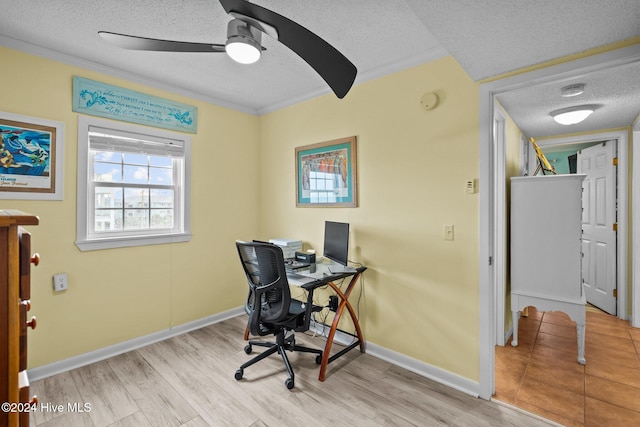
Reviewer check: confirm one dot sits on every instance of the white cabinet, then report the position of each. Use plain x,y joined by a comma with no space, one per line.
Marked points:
546,248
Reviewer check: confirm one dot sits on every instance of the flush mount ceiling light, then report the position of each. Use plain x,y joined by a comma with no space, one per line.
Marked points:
572,115
572,90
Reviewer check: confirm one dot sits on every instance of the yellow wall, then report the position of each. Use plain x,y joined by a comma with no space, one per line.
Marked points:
119,294
421,292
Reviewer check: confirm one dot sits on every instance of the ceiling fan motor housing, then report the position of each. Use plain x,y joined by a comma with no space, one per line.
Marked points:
239,29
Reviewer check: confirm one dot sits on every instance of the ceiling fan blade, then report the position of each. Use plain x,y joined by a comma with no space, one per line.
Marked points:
143,43
333,66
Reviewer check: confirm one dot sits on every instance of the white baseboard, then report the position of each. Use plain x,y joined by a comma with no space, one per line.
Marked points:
442,376
113,350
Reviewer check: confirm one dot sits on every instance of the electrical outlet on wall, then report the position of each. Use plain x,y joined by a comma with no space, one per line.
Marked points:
60,282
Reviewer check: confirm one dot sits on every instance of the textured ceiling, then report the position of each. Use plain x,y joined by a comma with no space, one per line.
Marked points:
487,38
492,37
616,92
355,28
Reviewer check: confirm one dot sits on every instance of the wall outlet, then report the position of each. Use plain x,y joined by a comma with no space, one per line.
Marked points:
60,282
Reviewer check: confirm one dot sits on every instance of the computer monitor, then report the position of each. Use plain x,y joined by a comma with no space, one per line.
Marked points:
336,241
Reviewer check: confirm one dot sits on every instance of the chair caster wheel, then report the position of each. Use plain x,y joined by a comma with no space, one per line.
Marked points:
289,383
318,359
247,349
239,374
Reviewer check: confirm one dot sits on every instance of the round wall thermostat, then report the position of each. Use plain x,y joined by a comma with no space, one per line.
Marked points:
429,101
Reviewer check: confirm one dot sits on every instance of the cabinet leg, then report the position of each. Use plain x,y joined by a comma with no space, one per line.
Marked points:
515,315
580,331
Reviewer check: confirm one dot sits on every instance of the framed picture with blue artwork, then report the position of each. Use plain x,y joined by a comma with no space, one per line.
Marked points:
326,174
31,158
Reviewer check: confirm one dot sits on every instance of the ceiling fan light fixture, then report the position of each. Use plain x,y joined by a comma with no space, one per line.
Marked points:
572,115
243,42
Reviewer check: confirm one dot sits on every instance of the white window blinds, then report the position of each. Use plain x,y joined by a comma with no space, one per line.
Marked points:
103,139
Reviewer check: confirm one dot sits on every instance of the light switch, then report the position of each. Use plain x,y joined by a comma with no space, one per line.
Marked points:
470,186
448,232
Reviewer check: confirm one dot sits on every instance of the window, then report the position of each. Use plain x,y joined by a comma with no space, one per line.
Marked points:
133,185
325,187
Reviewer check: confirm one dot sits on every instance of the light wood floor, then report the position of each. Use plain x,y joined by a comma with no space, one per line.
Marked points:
189,381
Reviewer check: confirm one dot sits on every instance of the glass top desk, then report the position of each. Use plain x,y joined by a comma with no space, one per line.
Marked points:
323,276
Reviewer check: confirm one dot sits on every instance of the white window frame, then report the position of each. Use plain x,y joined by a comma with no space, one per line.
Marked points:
86,238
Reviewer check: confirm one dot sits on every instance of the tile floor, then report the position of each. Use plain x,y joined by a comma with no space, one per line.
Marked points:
542,374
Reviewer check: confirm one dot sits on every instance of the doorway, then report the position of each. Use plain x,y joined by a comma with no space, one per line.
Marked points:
597,159
543,364
615,271
490,198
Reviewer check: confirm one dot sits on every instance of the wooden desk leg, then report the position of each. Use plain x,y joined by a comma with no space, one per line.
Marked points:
344,302
246,333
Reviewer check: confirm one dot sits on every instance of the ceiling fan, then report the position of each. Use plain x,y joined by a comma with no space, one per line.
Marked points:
244,34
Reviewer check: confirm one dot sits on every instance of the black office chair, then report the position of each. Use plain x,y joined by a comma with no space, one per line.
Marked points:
270,307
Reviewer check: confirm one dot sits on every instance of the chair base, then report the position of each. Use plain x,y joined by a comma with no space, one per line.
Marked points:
281,345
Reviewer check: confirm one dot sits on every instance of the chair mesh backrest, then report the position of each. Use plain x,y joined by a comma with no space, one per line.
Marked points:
269,295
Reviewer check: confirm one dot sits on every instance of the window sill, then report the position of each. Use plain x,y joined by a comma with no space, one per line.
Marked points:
123,242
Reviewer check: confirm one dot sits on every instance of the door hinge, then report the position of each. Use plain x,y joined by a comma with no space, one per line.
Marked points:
615,293
615,161
615,226
490,260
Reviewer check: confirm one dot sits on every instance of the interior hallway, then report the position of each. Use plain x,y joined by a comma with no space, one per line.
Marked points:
542,374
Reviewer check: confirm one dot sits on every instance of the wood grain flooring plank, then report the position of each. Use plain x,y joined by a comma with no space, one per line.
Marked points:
54,391
196,422
69,420
188,375
100,387
138,419
263,391
309,394
430,402
161,404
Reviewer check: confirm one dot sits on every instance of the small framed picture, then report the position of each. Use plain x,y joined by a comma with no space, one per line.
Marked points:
31,158
326,174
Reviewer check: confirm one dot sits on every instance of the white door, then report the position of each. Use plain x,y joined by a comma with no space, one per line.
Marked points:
598,222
